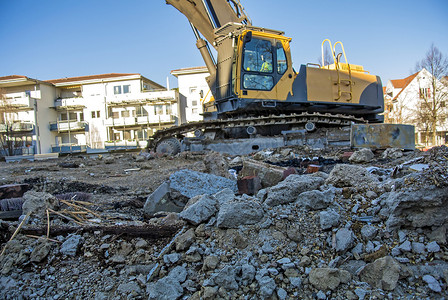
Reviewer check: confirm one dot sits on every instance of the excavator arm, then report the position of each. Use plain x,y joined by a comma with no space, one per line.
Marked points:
208,15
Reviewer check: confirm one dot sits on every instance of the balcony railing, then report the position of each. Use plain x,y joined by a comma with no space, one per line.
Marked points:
62,126
68,148
69,102
17,151
19,102
17,127
132,121
143,97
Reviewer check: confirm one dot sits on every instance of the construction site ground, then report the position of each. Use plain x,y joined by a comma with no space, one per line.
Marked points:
353,235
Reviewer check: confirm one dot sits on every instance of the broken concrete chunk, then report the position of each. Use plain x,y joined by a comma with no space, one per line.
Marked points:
166,288
352,176
288,190
226,278
200,211
160,200
392,153
224,196
369,232
191,183
269,174
328,219
433,247
425,207
433,284
363,155
267,287
316,200
383,273
345,239
71,245
37,203
328,278
216,164
185,240
210,263
40,252
241,211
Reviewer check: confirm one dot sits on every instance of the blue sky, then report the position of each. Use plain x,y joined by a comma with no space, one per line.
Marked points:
49,39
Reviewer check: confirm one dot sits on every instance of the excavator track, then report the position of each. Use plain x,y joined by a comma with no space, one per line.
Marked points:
260,121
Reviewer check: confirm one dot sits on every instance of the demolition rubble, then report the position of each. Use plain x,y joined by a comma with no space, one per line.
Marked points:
286,223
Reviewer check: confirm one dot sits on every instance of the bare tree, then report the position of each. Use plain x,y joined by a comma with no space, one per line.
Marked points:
431,110
328,57
402,113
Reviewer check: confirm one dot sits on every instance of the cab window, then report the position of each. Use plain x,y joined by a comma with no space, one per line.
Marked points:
257,64
282,65
258,56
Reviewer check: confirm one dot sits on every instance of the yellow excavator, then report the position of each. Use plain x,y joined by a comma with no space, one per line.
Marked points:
260,101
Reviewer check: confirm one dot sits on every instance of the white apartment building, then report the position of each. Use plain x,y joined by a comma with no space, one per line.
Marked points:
193,87
24,115
107,111
403,103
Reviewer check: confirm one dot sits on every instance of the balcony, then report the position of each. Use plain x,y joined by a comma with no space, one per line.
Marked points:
69,103
16,127
65,126
141,98
134,121
19,102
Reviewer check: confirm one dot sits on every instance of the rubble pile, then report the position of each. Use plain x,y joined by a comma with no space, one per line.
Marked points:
372,228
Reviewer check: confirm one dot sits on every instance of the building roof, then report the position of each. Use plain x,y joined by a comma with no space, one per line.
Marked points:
71,81
11,77
18,80
402,83
90,77
187,71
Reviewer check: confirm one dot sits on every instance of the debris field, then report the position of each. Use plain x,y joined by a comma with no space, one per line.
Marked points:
288,223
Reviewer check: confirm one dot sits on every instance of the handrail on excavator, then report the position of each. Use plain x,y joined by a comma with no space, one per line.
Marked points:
331,49
343,50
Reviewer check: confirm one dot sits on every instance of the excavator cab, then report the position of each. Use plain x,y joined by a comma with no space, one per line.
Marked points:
264,66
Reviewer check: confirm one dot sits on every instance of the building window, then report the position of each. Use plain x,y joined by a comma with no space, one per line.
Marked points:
168,109
125,114
115,115
194,111
425,93
122,89
71,117
141,134
141,111
193,90
194,103
95,114
158,109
